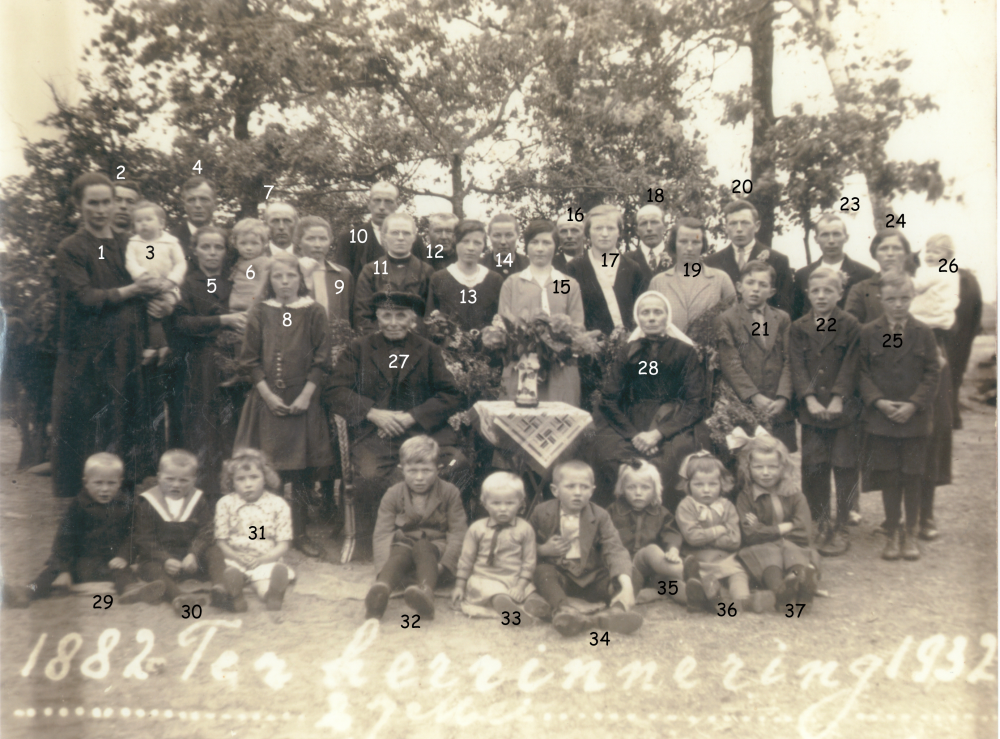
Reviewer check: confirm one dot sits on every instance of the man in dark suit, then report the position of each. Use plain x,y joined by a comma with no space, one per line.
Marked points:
363,245
571,243
127,194
651,226
440,233
281,219
198,198
742,224
390,386
503,232
831,235
609,282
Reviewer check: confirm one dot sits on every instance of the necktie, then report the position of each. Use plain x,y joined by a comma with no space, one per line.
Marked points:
652,260
741,256
493,543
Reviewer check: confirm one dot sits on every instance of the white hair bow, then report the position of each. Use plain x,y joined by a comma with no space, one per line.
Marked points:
739,438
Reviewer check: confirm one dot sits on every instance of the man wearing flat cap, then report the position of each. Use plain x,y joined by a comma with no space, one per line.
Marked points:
389,386
398,271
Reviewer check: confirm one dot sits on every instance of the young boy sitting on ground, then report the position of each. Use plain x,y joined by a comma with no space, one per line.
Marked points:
93,542
419,531
580,554
173,531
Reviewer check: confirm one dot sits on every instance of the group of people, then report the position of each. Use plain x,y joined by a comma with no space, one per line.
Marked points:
228,335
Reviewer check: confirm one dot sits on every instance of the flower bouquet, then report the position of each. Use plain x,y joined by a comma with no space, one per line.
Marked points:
553,339
475,376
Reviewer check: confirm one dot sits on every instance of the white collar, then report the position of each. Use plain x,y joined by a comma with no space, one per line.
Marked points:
274,247
555,274
301,302
468,280
155,497
655,249
748,248
193,228
839,266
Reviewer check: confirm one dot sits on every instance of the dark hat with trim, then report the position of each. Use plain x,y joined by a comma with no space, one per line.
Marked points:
394,299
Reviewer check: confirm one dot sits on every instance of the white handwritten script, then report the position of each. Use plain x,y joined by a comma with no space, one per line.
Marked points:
466,698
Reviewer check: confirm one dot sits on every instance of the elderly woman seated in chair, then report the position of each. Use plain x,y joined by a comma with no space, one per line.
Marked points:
390,386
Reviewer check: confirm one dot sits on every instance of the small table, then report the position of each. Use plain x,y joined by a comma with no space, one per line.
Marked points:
537,437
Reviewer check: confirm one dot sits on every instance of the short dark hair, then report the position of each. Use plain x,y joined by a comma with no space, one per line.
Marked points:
883,234
686,222
192,182
86,180
540,226
469,226
205,231
759,265
129,185
738,205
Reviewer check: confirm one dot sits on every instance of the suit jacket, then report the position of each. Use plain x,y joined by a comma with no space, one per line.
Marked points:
824,364
339,306
184,235
628,286
422,386
637,529
855,271
600,545
749,367
639,258
907,373
863,301
783,284
408,275
443,522
159,536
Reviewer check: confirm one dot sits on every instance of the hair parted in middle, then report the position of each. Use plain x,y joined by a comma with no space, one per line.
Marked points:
705,464
289,260
248,459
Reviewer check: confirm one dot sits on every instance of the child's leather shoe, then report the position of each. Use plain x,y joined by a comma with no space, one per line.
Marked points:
537,607
376,600
421,600
891,551
616,619
503,602
787,593
696,598
147,592
909,549
189,600
692,570
568,621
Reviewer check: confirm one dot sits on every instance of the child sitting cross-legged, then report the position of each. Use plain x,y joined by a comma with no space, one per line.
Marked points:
173,531
497,562
418,532
647,529
581,555
711,529
253,528
93,542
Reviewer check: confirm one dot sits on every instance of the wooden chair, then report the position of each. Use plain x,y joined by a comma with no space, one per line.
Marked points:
339,425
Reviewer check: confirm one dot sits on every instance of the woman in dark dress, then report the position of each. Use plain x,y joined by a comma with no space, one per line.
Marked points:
467,291
892,251
99,397
209,411
653,395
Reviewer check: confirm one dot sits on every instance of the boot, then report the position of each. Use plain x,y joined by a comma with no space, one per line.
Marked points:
568,621
788,592
617,620
909,548
928,531
696,598
376,600
421,599
835,544
891,551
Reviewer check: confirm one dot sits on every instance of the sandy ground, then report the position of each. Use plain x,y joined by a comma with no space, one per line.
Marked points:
897,650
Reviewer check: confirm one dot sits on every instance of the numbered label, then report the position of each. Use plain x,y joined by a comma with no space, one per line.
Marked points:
742,187
121,172
896,339
362,236
250,273
438,255
150,250
211,284
790,610
668,587
410,622
649,368
106,600
855,204
394,358
756,327
101,247
695,270
723,611
828,322
254,532
614,258
472,297
596,639
268,194
286,320
385,268
560,286
578,216
507,260
947,267
339,284
511,618
892,221
191,611
197,167
654,196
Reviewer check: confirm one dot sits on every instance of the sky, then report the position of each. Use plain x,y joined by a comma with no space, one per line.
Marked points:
952,44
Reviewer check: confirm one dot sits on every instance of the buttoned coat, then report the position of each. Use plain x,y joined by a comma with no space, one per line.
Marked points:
863,302
654,524
751,366
421,386
443,522
825,363
408,275
783,284
906,373
855,271
690,296
600,545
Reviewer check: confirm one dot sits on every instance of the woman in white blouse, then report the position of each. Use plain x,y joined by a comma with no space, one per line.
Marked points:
543,289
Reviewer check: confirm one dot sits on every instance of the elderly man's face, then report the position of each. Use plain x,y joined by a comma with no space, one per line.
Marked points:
650,227
199,205
571,238
281,222
443,233
394,322
381,204
399,237
125,200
